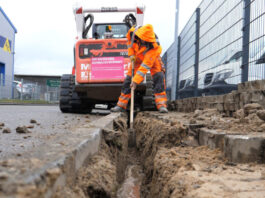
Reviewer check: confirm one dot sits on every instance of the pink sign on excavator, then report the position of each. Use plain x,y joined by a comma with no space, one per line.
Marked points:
103,68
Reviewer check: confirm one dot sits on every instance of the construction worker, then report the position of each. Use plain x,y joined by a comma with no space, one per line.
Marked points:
144,50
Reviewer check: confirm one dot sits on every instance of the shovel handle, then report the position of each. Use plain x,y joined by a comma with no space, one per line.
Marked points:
132,99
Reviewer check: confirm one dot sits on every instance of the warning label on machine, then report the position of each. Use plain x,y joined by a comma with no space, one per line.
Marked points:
103,68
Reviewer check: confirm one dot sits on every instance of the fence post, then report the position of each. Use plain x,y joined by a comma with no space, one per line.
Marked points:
246,30
32,91
178,67
48,94
197,51
35,91
21,90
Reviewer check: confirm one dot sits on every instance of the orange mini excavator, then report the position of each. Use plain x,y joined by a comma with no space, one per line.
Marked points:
101,62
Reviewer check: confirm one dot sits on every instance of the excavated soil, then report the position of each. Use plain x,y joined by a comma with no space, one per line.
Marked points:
250,119
165,163
174,168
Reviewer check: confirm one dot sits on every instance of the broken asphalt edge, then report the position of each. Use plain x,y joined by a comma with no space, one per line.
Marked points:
62,171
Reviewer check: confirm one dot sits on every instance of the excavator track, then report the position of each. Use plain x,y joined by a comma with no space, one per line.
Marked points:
149,98
70,102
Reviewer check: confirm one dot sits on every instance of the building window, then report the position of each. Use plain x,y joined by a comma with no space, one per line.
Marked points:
2,74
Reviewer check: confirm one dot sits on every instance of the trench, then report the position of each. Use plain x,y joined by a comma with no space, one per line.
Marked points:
116,171
119,170
166,162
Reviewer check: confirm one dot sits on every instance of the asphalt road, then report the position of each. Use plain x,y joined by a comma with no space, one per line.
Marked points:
51,124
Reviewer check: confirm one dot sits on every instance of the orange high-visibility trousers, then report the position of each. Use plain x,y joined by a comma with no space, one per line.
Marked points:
159,91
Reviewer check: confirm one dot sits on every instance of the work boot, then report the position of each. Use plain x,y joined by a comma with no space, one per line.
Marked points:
163,110
117,109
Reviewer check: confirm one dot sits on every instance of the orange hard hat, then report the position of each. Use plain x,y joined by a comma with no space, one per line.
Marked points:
146,33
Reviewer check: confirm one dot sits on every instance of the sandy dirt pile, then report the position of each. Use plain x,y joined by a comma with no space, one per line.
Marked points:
98,179
201,172
169,164
173,169
103,172
249,119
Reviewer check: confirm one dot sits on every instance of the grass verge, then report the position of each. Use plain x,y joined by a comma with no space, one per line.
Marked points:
17,101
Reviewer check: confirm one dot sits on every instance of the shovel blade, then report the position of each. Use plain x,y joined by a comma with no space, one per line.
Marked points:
131,138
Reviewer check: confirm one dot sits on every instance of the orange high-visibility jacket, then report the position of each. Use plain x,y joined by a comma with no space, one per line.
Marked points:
146,59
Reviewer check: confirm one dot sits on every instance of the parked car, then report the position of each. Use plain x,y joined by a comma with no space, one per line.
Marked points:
215,83
261,59
27,90
225,79
186,88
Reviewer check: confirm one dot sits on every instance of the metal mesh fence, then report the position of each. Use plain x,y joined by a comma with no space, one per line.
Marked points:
220,41
256,40
222,44
171,62
5,86
187,52
22,89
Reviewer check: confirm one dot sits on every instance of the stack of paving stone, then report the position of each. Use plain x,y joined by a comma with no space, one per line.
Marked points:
248,92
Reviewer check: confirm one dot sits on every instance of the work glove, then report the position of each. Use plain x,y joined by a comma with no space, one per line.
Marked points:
133,58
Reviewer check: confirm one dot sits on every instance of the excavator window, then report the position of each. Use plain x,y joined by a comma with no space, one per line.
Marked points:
119,30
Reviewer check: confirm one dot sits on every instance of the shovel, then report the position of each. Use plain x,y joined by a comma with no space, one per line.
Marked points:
131,132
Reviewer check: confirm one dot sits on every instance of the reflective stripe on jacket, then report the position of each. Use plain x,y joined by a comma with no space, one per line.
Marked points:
161,99
150,62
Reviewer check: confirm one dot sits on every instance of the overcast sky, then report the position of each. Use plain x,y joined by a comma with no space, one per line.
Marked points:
47,31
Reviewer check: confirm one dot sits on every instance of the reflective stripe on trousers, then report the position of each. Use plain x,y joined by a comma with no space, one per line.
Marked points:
161,99
123,100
